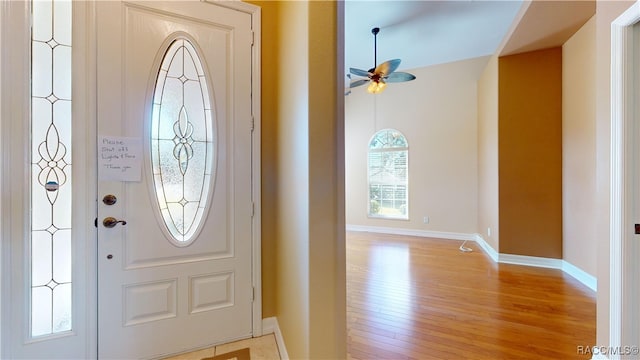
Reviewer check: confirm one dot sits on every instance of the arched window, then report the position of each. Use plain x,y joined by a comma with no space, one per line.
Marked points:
388,175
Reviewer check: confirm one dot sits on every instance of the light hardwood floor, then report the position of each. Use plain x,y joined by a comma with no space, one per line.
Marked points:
421,298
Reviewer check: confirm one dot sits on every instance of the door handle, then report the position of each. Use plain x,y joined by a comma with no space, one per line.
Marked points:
110,222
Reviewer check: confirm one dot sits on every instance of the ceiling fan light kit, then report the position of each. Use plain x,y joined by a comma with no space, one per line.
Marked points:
376,87
379,75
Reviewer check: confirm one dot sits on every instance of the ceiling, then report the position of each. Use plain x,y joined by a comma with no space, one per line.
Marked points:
424,33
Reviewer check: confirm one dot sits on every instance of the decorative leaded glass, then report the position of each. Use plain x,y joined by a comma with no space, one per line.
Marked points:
387,138
388,175
182,141
50,167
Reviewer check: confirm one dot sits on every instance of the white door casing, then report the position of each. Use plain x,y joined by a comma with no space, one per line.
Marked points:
150,287
624,329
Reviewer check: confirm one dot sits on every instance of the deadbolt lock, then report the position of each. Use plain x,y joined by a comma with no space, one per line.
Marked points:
109,199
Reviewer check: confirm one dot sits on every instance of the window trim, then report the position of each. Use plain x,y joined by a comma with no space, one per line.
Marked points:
388,148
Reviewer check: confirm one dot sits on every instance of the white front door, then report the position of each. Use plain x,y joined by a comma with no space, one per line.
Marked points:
174,151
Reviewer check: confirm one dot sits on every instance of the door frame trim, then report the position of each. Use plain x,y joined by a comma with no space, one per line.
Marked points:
256,175
3,21
623,286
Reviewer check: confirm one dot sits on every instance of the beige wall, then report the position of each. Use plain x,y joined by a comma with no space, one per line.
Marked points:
530,153
327,262
579,149
437,114
303,264
277,246
488,216
292,204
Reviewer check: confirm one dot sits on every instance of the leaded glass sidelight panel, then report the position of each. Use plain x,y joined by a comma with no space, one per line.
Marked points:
51,246
182,141
388,175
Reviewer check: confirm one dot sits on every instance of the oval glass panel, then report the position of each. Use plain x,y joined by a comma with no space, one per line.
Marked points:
182,142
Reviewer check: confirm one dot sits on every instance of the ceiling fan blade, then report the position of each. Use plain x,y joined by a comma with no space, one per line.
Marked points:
357,83
358,72
387,67
399,77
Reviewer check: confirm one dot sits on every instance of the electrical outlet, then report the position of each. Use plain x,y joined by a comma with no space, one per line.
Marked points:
425,219
488,231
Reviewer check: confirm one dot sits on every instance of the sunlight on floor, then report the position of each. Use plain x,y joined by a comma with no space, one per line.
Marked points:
261,348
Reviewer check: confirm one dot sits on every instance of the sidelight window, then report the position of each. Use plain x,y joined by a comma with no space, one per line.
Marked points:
50,243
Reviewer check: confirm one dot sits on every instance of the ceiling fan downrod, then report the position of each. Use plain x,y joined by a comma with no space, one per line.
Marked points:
375,32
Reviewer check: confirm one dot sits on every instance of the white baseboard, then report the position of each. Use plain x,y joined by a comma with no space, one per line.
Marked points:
517,259
412,232
585,278
530,261
493,254
589,280
577,273
270,326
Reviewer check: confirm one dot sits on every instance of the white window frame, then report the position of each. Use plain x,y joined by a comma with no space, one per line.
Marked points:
393,184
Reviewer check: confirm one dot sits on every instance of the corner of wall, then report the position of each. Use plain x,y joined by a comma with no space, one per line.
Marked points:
270,326
487,114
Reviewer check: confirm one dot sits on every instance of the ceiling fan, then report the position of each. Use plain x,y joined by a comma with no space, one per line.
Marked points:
379,75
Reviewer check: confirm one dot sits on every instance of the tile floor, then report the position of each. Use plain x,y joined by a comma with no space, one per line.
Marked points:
261,348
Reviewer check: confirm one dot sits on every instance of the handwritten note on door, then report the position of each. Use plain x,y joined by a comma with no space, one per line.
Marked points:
119,158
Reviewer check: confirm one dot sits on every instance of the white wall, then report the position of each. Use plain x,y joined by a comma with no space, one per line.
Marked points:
437,113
